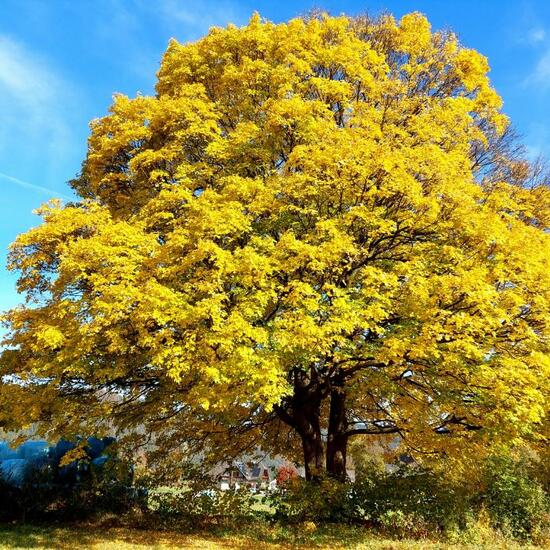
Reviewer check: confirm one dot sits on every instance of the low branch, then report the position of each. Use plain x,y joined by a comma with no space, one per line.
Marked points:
373,431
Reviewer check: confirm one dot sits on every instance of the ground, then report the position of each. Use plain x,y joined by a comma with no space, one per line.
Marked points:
23,537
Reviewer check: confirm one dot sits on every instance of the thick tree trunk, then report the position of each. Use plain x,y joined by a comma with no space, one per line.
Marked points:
308,425
337,440
302,412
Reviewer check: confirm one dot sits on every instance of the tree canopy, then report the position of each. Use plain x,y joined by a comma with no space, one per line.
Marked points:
313,230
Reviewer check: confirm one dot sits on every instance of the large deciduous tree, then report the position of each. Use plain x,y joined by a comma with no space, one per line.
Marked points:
313,230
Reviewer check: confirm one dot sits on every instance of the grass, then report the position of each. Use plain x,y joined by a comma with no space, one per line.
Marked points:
75,538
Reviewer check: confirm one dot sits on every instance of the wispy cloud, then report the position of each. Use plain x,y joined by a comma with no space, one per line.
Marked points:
536,35
541,73
532,32
538,39
33,187
128,31
34,105
537,138
23,76
197,17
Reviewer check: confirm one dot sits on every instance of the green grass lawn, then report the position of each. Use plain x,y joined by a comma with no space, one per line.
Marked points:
22,537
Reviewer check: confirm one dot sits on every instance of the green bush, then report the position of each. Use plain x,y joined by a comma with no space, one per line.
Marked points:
198,501
410,501
516,501
325,500
106,488
414,501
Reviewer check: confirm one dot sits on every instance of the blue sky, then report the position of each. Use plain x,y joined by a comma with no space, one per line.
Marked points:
61,61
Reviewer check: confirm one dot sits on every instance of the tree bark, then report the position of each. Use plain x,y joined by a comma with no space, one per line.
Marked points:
302,412
337,440
308,426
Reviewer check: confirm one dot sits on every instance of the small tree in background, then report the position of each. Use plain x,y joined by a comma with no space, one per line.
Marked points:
286,473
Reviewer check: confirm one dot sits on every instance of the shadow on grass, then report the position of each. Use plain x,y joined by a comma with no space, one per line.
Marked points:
244,537
25,536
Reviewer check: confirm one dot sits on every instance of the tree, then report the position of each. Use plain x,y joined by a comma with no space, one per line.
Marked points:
314,230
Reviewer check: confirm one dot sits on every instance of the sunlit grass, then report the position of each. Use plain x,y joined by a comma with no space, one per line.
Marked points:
23,537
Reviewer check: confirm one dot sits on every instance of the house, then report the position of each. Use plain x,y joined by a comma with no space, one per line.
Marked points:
257,476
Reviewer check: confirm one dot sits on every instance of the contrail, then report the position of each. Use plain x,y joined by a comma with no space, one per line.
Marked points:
34,187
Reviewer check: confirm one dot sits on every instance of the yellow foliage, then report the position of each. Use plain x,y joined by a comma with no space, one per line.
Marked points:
296,197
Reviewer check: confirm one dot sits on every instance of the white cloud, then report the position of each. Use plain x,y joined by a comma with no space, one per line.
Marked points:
537,138
131,25
536,35
541,74
198,17
27,185
22,76
35,110
26,81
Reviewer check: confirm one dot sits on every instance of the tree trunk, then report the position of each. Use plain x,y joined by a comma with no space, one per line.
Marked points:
337,440
308,425
302,412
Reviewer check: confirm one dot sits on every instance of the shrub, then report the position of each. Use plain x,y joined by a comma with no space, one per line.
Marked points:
515,500
325,500
106,487
51,491
198,501
413,500
192,507
10,501
410,500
